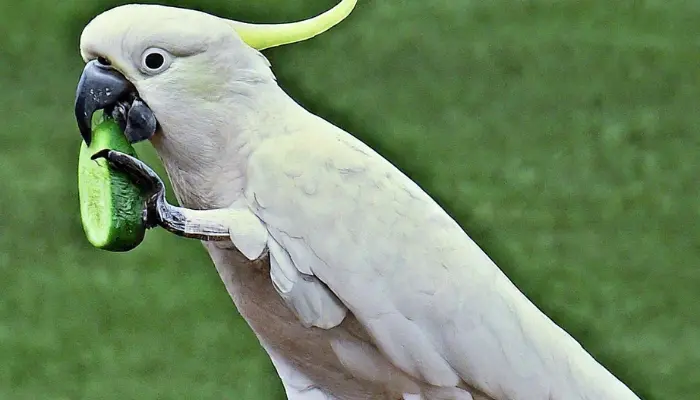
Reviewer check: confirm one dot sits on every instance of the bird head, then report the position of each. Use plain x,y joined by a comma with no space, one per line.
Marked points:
158,67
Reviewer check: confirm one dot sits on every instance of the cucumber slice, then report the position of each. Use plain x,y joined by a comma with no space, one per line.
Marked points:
111,206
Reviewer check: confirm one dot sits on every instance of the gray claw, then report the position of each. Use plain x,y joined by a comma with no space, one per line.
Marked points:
158,212
145,178
140,173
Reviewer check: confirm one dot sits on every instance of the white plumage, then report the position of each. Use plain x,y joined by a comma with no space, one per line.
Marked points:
373,290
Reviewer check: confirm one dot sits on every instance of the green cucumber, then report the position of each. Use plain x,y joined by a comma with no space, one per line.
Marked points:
111,206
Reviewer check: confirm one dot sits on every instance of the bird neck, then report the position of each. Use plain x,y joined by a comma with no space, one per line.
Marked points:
206,156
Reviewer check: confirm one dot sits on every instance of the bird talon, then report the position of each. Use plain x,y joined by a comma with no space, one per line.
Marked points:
152,213
139,173
142,176
149,220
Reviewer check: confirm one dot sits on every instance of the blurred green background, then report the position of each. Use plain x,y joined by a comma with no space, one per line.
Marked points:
563,135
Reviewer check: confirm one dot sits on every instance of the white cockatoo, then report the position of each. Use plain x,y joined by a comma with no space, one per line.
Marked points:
356,282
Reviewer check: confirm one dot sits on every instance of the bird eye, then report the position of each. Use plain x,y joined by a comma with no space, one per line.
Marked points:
155,61
103,61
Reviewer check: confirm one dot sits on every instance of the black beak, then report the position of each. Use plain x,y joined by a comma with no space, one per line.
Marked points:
101,87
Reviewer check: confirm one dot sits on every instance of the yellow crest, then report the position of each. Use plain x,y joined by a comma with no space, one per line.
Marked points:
264,36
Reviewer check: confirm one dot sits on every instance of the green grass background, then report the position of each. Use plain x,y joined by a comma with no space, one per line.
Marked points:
563,135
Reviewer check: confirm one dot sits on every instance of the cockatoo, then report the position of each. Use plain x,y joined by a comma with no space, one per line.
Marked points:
356,282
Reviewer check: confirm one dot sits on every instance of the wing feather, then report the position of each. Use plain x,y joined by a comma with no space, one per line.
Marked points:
310,299
431,299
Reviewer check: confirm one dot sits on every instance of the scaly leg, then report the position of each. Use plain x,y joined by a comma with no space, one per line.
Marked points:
237,225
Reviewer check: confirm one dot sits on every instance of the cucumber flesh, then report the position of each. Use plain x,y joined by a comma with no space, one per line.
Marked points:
111,206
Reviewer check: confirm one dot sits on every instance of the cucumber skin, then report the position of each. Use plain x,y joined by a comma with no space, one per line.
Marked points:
125,229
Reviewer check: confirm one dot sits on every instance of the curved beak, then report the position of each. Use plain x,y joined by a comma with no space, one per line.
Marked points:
104,88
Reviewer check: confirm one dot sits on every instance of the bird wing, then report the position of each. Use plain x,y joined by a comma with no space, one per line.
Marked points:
370,240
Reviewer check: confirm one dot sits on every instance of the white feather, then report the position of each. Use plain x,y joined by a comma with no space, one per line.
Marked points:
432,301
312,302
351,238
